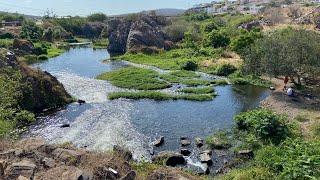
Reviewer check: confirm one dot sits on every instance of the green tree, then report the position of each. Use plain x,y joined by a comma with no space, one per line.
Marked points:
209,27
30,31
216,39
100,17
244,40
286,52
48,34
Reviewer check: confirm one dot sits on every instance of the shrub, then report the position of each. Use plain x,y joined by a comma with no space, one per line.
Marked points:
42,57
30,59
265,125
6,35
97,17
189,65
225,69
39,51
217,39
209,27
293,159
71,41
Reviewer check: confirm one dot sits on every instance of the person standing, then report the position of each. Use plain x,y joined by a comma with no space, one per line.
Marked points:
286,80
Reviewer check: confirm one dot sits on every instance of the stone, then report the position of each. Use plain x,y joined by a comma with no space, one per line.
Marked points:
246,154
3,166
220,144
73,174
199,142
130,176
23,178
32,143
140,34
23,168
124,153
169,158
48,162
23,45
65,126
200,170
205,157
185,142
185,152
272,88
158,142
67,155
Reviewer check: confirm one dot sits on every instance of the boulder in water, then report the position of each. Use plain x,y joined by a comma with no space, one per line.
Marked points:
169,158
158,142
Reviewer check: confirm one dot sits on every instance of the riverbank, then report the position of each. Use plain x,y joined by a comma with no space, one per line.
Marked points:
34,158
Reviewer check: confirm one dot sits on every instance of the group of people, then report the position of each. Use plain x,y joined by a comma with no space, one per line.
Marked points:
290,90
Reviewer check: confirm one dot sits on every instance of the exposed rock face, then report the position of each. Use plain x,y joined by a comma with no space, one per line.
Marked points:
250,25
119,31
23,168
199,142
205,157
169,158
92,29
23,45
142,34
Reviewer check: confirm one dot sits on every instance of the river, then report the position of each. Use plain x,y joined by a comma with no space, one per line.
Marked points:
100,123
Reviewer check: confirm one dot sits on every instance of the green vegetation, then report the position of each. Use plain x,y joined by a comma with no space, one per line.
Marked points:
285,52
101,43
239,78
5,43
160,96
100,17
188,82
206,90
265,125
11,90
183,73
280,152
134,78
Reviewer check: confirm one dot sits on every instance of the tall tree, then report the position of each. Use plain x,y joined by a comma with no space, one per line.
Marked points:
286,52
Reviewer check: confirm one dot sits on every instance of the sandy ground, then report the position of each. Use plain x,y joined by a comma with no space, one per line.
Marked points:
293,107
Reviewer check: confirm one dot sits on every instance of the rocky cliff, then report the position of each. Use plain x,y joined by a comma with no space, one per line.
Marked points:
41,90
138,34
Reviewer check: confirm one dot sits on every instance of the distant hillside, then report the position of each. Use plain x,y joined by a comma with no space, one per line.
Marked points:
27,16
159,12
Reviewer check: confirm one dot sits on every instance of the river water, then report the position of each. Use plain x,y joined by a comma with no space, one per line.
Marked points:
99,124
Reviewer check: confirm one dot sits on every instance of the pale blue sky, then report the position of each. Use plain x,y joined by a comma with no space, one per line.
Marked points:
85,7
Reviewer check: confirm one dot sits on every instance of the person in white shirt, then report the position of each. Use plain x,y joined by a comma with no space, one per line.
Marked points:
290,91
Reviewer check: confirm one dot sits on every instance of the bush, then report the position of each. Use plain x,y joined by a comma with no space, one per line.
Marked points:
217,39
39,51
30,59
225,69
189,65
209,27
293,159
97,17
42,57
6,35
265,125
71,41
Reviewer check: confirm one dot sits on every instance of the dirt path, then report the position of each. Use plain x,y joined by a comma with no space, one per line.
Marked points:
304,110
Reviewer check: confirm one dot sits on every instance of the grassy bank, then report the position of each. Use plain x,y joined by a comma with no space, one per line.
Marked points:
159,96
205,90
279,151
134,78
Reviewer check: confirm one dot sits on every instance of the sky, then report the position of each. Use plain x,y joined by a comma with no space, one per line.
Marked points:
85,7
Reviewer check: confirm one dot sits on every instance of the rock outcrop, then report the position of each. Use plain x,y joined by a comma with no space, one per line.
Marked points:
169,158
92,29
23,45
139,34
43,91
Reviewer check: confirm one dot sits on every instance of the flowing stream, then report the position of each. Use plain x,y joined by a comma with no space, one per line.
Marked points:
99,124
